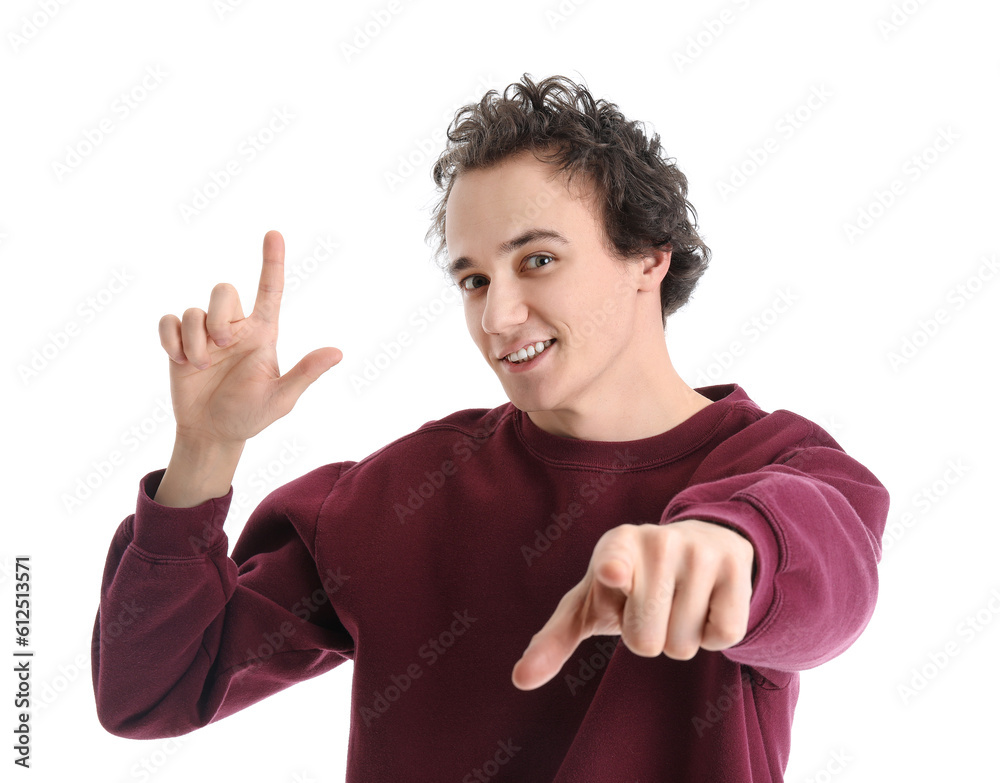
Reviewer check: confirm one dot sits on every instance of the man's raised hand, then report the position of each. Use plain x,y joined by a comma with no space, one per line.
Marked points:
224,379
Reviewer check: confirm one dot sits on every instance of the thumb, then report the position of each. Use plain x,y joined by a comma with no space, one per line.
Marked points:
309,368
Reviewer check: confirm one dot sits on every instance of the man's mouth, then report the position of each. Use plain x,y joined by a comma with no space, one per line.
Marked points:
528,353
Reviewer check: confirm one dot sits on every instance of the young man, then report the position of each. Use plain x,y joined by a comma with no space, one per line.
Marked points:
612,577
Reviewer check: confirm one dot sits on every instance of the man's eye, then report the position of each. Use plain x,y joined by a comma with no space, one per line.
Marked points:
467,282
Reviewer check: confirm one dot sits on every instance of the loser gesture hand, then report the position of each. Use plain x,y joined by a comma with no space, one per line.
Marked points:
224,379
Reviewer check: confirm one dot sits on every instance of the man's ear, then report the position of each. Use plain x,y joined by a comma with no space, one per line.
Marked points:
654,267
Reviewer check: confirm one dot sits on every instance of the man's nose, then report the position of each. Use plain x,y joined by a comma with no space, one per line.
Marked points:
505,307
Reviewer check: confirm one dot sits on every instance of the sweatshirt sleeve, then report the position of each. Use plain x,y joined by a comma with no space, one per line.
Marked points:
815,517
186,635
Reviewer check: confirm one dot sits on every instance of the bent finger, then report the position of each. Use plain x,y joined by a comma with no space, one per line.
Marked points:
647,610
223,309
688,613
728,613
170,338
194,337
615,557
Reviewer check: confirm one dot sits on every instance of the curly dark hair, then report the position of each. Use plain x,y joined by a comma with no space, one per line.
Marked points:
644,195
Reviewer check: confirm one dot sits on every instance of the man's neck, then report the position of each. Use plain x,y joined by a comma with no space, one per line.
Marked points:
650,400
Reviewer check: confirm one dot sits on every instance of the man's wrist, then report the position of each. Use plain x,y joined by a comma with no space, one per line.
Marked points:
198,472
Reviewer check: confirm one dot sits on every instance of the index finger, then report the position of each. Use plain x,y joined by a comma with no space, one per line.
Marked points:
554,644
272,278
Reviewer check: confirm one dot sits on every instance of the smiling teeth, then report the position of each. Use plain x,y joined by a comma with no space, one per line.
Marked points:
528,352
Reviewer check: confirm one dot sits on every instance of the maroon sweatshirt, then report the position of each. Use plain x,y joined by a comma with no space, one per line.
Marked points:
432,562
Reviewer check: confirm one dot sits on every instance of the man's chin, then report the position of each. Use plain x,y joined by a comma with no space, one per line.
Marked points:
521,405
531,397
530,403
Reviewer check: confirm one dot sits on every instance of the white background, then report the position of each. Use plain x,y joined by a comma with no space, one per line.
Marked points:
895,75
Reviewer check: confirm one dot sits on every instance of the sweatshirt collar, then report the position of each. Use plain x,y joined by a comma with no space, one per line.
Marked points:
673,444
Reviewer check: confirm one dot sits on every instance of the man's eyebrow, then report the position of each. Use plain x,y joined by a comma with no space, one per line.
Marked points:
532,234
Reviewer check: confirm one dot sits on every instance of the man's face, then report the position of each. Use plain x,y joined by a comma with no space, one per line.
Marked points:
569,290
